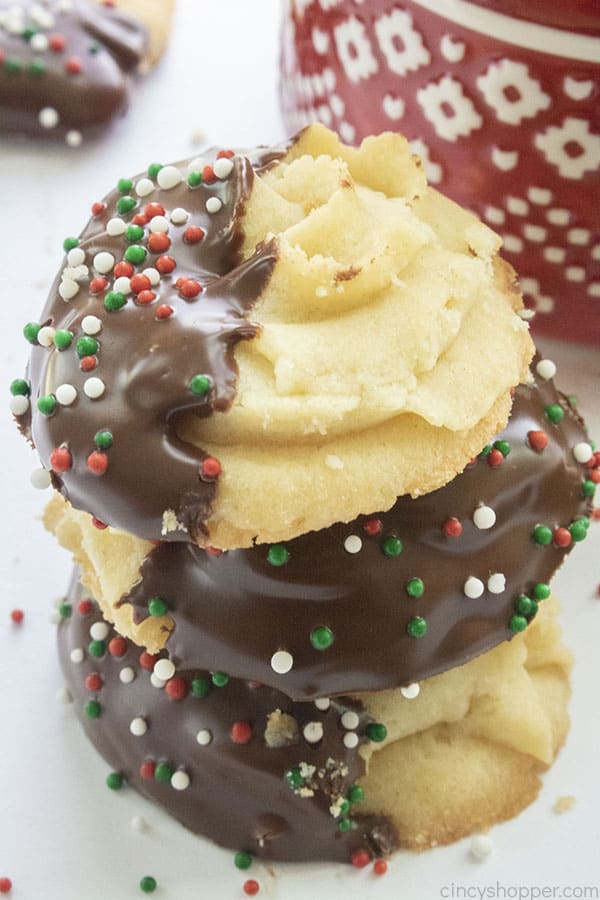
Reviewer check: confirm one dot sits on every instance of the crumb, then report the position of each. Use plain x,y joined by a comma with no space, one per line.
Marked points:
170,522
564,804
281,730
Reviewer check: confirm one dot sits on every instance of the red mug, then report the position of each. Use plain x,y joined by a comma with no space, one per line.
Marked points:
500,98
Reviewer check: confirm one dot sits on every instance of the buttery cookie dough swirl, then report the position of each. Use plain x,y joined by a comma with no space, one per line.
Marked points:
317,339
386,600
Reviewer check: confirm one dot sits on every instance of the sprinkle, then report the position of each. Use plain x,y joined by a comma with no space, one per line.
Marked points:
153,169
503,447
200,385
350,740
415,587
179,216
157,682
546,369
392,546
63,696
98,208
204,737
211,467
19,405
542,535
46,405
495,458
380,867
251,887
313,732
353,544
86,346
147,770
76,256
159,224
158,607
144,187
68,288
17,616
241,732
541,591
193,234
163,773
104,262
517,623
282,662
153,275
356,794
525,606
323,703
93,387
180,780
222,168
164,312
97,648
220,679
554,413
242,860
138,726
97,285
373,527
321,637
411,691
496,583
417,627
63,339
94,682
93,709
73,138
138,823
99,631
360,859
103,439
538,440
278,555
84,607
136,254
562,537
582,452
169,177
114,227
200,687
31,332
126,675
45,336
452,527
350,720
344,824
213,205
189,288
194,179
148,884
578,529
164,669
77,655
176,688
5,885
48,117
473,587
376,732
481,846
165,265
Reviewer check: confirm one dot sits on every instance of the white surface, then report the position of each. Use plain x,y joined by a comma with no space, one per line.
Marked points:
63,835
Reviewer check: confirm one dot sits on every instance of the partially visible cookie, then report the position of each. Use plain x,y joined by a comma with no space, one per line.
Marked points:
155,15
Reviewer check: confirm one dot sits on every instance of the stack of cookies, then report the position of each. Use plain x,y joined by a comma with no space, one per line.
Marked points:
317,483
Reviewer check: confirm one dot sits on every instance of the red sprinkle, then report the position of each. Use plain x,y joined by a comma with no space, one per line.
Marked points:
190,288
140,283
538,440
140,219
99,524
117,646
145,297
84,607
453,527
225,154
562,537
5,885
147,769
61,460
241,732
159,242
165,264
93,682
208,175
595,476
74,65
98,208
88,363
97,285
17,616
193,234
214,551
148,660
495,458
57,42
596,514
164,311
251,887
123,269
97,462
380,867
360,859
211,467
176,688
154,209
373,527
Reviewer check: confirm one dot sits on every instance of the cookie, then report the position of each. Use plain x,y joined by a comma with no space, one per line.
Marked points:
386,600
255,346
331,779
155,16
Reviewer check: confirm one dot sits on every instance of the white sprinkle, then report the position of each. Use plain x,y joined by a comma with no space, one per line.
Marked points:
77,655
481,846
138,823
153,275
91,324
323,703
350,720
213,205
496,583
196,165
353,544
46,336
204,737
73,138
351,740
19,405
164,669
126,675
67,289
65,394
313,732
282,662
169,177
411,691
144,187
104,262
39,42
93,387
484,517
546,369
63,695
582,452
157,682
99,631
114,227
473,587
159,224
76,256
179,216
122,284
48,117
180,780
223,167
138,726
40,479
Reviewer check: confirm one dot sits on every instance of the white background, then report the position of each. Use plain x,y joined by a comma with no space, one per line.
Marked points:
63,835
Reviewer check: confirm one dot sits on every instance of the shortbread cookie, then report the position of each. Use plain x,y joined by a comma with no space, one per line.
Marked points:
386,600
249,768
242,349
155,16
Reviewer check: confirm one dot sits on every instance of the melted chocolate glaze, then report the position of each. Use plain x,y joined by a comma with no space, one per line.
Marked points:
147,363
238,794
234,611
101,46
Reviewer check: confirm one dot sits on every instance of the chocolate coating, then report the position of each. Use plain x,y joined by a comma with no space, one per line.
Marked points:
237,794
146,363
234,611
73,57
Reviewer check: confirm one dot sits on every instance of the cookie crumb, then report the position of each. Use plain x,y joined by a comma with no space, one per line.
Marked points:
564,804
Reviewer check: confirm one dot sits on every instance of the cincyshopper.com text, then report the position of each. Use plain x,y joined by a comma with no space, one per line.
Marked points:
500,891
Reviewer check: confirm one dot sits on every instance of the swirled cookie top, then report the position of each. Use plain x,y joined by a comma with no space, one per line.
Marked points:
386,341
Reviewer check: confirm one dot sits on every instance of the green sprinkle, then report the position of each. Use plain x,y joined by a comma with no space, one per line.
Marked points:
97,648
46,405
158,607
163,773
356,794
114,301
542,535
92,709
541,591
148,884
242,860
578,530
114,780
392,546
124,185
154,169
136,254
485,452
103,439
588,488
200,687
86,346
417,627
12,66
194,179
63,339
94,48
415,587
220,679
70,243
200,384
134,233
20,388
525,605
344,824
294,778
376,732
125,205
28,33
65,610
31,331
37,68
554,413
321,637
278,555
344,807
517,623
503,447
